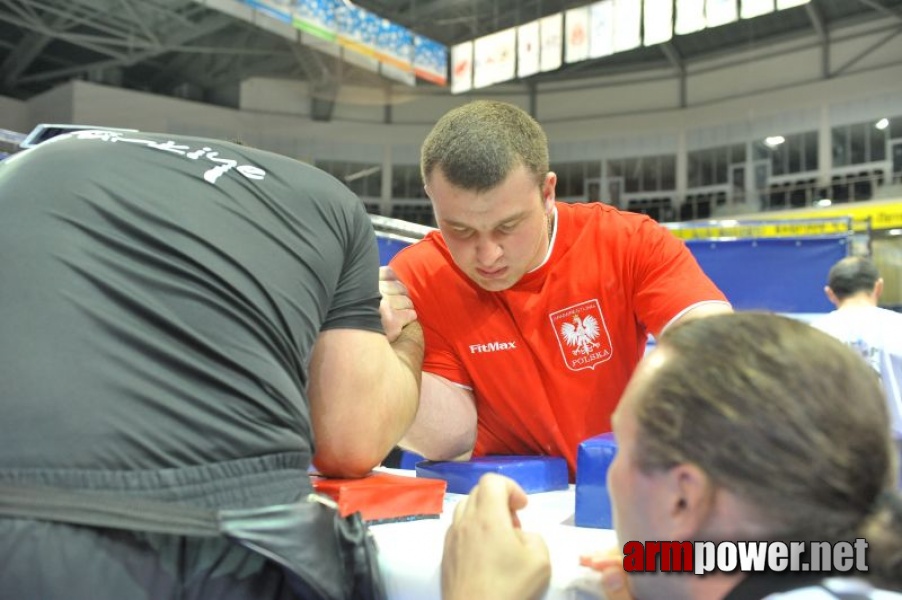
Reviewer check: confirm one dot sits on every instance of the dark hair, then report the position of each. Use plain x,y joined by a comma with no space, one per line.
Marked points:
851,276
478,144
787,418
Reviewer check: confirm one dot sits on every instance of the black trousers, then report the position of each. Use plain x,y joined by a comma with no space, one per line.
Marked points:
49,561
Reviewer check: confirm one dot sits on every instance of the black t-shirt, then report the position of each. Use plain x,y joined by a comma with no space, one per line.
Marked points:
160,297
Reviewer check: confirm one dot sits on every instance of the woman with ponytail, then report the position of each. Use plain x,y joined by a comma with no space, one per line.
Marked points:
745,427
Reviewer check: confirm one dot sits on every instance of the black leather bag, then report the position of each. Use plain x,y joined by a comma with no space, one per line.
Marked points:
352,572
325,556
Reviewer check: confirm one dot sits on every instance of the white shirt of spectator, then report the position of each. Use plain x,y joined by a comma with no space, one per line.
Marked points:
876,334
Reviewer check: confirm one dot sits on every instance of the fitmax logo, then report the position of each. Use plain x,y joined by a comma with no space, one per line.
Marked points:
492,347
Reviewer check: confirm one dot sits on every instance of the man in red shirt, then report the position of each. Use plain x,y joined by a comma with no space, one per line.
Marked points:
535,313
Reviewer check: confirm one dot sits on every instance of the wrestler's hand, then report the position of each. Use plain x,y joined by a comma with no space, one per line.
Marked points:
396,307
487,555
613,577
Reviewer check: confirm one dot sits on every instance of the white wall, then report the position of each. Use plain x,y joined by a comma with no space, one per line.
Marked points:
14,115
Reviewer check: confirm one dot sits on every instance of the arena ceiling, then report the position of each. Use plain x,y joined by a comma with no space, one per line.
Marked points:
187,49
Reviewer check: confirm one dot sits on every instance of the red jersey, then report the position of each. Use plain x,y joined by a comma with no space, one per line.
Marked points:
549,358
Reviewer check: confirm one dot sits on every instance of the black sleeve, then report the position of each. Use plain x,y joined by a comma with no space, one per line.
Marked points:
355,304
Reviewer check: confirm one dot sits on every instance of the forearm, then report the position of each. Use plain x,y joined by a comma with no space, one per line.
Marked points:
402,392
364,394
445,424
409,349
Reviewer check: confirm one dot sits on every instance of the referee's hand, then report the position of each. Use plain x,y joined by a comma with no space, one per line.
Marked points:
614,582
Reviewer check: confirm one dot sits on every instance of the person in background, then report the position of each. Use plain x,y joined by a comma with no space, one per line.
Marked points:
534,312
745,427
184,321
854,286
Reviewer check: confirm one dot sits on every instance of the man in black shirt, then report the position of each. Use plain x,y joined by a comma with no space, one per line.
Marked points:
188,321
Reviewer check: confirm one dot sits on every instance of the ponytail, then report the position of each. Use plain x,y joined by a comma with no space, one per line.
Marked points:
883,531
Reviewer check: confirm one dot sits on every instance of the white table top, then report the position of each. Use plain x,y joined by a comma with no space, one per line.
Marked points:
410,553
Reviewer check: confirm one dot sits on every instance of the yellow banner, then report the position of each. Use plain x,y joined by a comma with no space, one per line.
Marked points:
810,222
882,215
762,230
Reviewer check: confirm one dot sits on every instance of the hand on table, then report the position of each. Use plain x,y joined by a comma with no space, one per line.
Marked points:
395,307
613,577
486,553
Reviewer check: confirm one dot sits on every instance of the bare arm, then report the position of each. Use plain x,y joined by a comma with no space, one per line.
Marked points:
364,393
445,425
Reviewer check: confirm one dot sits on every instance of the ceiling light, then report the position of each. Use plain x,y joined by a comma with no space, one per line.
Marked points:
774,140
824,202
882,123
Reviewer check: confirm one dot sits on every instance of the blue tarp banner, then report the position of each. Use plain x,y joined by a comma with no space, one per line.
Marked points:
780,275
388,247
785,275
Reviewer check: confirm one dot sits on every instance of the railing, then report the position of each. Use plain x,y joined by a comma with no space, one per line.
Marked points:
398,229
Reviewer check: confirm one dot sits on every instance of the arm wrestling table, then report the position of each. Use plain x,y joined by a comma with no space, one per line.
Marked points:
410,552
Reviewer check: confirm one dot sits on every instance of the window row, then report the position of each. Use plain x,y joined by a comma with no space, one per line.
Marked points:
778,156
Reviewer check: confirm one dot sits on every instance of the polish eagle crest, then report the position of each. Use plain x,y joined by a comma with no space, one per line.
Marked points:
580,334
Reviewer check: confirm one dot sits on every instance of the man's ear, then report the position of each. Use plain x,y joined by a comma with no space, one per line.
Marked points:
690,501
548,187
831,296
878,288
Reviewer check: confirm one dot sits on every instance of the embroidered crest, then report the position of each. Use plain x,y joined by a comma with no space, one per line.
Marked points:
582,335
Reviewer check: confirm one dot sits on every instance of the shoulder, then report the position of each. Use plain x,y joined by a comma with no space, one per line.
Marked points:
428,270
598,211
615,225
889,314
429,252
823,320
